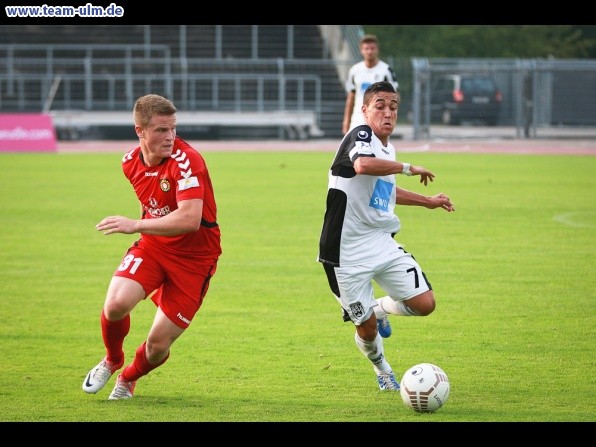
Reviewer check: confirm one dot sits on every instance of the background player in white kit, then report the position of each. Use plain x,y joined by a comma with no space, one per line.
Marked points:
356,244
370,70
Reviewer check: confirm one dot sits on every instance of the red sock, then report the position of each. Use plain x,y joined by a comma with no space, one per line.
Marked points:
140,365
113,333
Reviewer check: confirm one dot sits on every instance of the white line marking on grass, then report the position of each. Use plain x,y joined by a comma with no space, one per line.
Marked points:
585,219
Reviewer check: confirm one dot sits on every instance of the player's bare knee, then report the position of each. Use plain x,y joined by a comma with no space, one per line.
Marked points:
156,350
427,309
423,304
115,309
114,312
427,305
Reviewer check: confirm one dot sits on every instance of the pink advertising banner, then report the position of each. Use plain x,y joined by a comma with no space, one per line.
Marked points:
22,132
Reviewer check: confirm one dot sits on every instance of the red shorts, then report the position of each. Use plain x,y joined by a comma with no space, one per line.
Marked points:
180,284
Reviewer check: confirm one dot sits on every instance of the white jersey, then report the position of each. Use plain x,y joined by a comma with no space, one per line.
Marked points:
359,219
359,78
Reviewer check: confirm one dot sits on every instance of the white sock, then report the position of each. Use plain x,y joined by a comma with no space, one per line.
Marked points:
387,305
373,350
380,312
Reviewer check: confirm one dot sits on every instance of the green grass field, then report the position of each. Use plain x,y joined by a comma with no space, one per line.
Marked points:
513,271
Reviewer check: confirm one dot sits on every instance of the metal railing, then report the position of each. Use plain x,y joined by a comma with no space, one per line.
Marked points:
537,94
88,80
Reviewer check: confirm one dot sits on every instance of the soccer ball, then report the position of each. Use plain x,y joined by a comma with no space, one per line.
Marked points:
425,387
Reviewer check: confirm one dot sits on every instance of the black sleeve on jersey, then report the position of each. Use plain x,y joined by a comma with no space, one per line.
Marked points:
392,73
343,166
392,78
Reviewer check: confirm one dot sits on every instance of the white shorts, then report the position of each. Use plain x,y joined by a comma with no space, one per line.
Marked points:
400,277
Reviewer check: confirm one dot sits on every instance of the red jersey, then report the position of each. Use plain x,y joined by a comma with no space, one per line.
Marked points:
159,188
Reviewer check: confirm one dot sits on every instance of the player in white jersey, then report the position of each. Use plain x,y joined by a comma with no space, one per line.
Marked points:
370,70
356,245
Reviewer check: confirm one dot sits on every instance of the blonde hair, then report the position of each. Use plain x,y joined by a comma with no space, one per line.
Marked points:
146,107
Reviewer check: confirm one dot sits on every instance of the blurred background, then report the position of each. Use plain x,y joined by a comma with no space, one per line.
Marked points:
287,81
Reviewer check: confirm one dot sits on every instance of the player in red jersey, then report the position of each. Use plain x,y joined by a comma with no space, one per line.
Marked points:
176,255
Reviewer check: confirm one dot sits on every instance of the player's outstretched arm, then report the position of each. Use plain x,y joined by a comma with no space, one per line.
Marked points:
118,224
405,197
441,201
186,218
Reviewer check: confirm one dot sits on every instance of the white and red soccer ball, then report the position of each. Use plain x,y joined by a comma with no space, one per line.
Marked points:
425,387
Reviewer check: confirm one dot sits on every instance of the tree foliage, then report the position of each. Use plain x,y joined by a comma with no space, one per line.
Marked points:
486,41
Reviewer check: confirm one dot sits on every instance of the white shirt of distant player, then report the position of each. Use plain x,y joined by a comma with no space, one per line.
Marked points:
359,78
369,219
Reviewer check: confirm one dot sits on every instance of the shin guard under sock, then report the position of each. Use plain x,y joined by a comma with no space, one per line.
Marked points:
140,365
113,333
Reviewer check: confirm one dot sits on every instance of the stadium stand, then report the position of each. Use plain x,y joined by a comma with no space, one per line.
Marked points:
231,81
